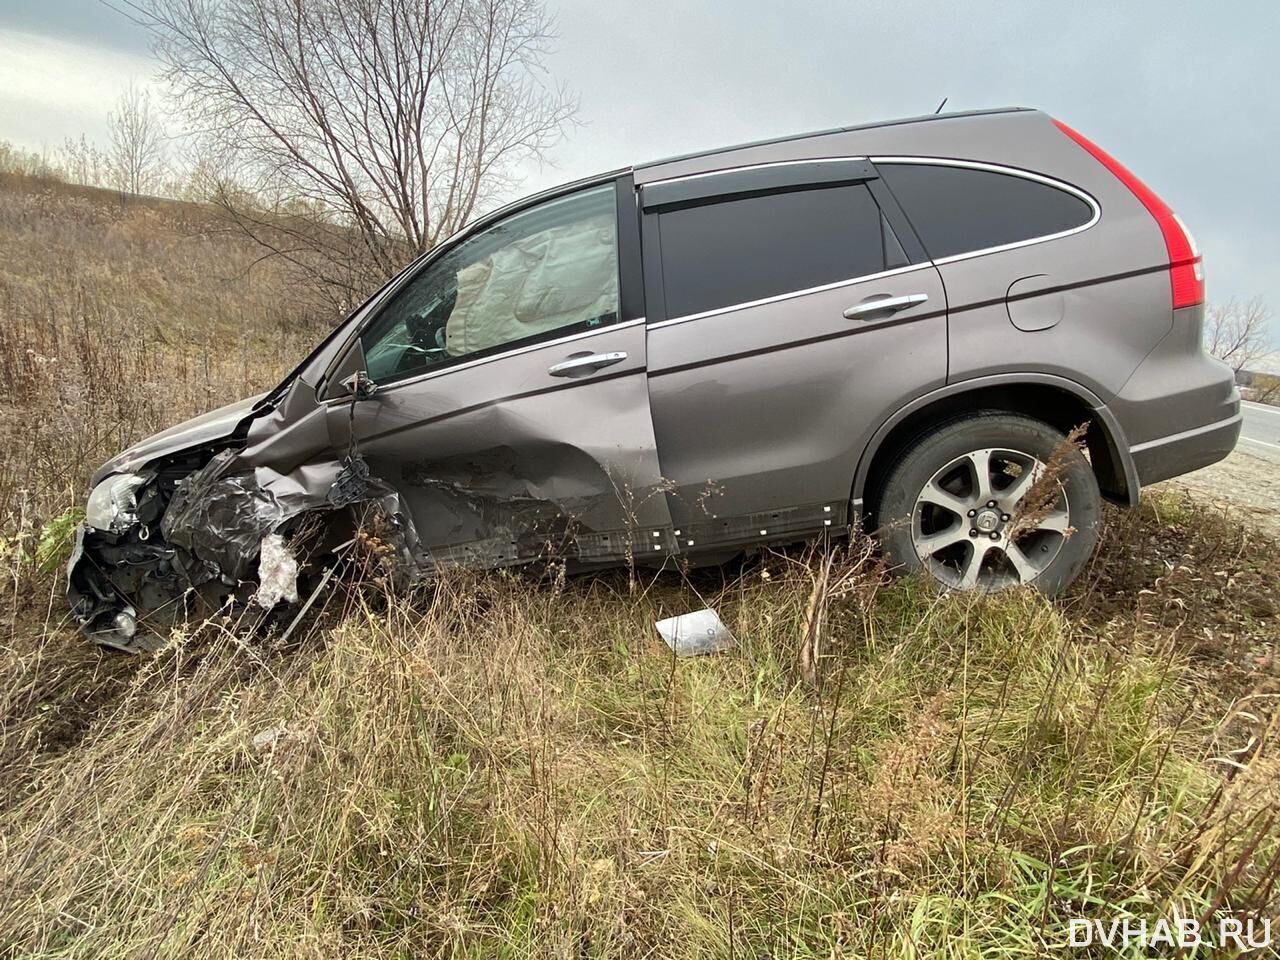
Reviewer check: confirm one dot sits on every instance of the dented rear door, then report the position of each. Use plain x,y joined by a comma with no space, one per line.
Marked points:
512,412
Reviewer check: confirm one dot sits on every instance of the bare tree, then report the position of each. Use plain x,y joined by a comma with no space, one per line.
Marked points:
1238,333
375,127
136,156
83,162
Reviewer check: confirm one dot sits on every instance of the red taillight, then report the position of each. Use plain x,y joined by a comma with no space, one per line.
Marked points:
1186,276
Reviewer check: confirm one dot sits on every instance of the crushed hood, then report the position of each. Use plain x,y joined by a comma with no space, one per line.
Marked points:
206,428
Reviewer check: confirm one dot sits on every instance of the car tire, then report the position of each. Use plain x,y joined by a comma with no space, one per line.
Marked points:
936,516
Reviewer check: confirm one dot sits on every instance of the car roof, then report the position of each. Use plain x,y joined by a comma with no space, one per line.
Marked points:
924,118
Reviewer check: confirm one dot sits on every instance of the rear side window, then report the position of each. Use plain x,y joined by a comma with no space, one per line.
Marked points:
725,252
961,209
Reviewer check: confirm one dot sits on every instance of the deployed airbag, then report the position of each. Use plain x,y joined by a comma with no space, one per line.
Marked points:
552,279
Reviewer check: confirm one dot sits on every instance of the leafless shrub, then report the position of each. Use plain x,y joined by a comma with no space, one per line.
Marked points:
83,162
26,163
1237,333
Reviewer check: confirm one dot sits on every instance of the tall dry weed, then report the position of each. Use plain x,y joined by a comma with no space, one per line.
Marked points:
117,321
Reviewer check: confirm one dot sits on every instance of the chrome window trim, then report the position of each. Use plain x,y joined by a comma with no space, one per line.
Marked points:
480,361
1008,171
932,161
790,294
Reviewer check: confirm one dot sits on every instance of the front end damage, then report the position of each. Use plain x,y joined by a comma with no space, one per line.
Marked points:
195,532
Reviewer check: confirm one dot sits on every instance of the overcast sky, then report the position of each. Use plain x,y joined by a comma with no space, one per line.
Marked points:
1184,93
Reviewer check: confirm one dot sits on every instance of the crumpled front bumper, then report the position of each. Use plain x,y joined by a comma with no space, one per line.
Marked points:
208,539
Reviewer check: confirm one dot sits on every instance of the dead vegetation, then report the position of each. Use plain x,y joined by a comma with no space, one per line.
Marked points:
503,767
119,320
500,767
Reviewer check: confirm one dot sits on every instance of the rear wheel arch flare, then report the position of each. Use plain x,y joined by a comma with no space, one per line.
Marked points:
1054,400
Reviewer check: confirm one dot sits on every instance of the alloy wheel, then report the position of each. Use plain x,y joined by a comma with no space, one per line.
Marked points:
974,526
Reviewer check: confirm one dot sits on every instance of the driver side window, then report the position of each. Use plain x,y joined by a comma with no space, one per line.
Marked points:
547,271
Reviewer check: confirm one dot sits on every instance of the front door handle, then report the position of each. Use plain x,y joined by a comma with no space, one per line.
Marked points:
885,305
585,363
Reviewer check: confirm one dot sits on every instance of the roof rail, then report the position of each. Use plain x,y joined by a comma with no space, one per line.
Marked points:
951,115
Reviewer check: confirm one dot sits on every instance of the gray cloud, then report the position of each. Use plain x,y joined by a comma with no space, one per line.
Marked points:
1178,90
91,22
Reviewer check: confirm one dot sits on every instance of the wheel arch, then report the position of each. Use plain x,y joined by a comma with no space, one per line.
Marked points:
1060,402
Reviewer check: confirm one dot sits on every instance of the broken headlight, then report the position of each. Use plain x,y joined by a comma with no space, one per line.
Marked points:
113,504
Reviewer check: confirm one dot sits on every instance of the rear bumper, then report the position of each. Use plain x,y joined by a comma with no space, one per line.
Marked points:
1185,451
1180,409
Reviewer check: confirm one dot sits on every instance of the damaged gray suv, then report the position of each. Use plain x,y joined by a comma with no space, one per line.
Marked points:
895,326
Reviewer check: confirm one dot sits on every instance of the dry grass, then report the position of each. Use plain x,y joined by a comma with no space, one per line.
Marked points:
116,321
498,767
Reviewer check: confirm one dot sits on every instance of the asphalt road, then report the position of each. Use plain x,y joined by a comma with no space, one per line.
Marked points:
1260,435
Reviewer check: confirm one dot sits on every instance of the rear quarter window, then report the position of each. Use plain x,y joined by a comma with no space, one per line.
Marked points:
958,210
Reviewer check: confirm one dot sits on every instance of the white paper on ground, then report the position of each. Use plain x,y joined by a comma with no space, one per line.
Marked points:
691,634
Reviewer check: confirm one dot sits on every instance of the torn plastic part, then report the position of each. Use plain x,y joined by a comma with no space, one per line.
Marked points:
103,570
277,573
223,524
351,484
220,519
696,633
264,741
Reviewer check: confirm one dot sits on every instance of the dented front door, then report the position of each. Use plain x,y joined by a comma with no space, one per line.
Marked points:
511,411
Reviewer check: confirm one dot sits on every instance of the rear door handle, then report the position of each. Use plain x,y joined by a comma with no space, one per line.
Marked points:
585,363
885,305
